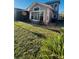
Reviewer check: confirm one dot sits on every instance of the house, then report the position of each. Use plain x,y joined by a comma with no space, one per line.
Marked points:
44,12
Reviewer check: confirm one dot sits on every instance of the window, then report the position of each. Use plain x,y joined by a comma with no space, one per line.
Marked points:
36,9
37,15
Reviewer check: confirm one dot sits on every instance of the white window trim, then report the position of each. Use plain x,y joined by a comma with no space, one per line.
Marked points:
36,7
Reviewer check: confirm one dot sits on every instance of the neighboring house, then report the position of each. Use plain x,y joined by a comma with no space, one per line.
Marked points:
44,12
16,12
21,15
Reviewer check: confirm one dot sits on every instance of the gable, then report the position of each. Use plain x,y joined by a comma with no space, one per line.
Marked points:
39,5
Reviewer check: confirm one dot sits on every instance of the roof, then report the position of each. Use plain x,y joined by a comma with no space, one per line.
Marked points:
18,9
52,2
43,4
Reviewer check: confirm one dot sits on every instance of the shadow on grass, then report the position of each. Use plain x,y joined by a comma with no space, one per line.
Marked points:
58,31
39,35
35,33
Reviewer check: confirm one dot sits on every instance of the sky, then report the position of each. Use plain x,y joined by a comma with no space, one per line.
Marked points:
23,4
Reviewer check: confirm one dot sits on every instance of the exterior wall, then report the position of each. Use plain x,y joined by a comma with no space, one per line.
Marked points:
46,16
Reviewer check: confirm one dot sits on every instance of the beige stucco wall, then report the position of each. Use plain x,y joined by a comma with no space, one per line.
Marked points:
48,15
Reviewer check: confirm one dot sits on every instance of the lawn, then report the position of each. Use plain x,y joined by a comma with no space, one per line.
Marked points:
32,42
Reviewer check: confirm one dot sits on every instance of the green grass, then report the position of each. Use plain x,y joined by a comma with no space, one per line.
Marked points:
37,43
